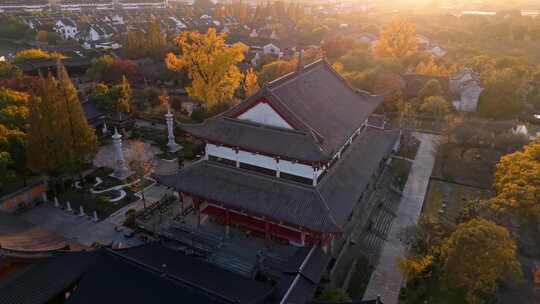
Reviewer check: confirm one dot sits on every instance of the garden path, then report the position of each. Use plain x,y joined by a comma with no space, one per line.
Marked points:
386,281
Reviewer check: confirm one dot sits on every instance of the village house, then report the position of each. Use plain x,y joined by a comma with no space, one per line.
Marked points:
466,86
66,28
289,163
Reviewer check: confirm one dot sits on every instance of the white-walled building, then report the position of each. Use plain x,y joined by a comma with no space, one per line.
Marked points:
290,162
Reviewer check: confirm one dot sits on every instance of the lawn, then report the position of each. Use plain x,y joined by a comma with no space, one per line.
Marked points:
455,196
466,165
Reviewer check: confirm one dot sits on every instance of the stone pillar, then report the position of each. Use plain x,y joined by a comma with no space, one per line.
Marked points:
95,216
81,210
44,197
69,207
56,204
169,118
104,130
121,171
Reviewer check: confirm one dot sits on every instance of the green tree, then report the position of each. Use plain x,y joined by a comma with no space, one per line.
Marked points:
113,98
99,67
6,175
334,295
8,70
436,106
477,256
431,88
503,94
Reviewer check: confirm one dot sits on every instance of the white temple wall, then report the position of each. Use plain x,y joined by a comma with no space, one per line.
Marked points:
262,161
264,114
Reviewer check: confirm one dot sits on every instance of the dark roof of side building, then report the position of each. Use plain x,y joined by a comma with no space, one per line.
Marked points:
325,207
322,108
135,275
299,285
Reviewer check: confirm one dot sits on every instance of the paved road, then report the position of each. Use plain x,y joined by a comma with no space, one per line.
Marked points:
386,281
79,229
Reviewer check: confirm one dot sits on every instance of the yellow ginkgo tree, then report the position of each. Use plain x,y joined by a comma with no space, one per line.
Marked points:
517,183
210,64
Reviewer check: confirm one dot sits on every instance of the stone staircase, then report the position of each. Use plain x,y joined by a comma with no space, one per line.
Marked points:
379,223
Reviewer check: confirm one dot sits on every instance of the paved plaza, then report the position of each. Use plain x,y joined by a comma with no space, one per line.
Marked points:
386,281
79,229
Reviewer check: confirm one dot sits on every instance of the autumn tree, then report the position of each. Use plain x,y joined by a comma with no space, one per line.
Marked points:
13,109
83,143
275,70
99,67
29,54
431,88
59,137
155,42
13,145
251,86
517,183
397,40
338,46
432,68
477,256
502,95
113,98
210,64
111,70
8,70
6,175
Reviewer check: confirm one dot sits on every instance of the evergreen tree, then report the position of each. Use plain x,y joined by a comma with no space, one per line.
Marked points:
59,138
155,39
46,135
83,137
124,101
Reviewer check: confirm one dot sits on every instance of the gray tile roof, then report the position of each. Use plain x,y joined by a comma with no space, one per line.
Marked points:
135,275
44,281
255,193
315,101
325,103
296,145
324,208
